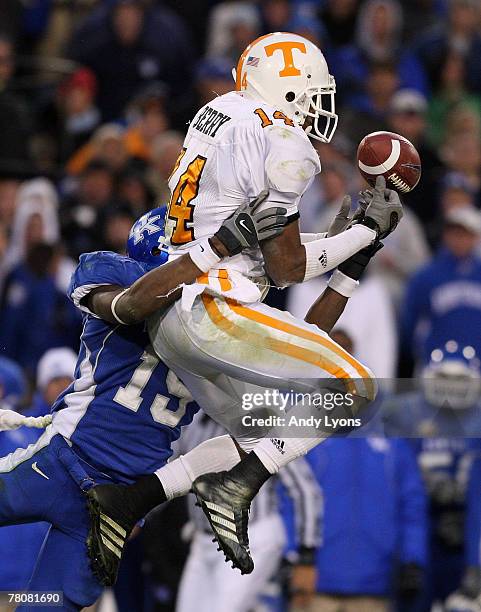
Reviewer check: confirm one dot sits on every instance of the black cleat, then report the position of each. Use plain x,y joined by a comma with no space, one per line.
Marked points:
111,522
226,502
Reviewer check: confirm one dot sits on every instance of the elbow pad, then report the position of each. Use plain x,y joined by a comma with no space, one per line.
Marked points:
326,254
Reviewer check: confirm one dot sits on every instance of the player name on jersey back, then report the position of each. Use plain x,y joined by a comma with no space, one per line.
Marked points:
210,120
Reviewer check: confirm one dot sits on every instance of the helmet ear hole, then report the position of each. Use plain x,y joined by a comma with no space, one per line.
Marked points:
290,95
155,251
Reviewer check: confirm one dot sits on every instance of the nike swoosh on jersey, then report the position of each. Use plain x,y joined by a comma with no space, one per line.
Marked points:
35,468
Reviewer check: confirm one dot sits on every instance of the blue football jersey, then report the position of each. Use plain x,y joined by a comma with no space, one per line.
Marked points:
124,407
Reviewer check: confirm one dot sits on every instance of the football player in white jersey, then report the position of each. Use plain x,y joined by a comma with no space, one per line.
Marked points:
219,338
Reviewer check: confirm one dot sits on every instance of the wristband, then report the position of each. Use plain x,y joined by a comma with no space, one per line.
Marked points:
203,256
229,240
342,284
114,304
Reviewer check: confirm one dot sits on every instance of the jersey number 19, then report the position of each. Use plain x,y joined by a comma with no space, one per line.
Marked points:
130,396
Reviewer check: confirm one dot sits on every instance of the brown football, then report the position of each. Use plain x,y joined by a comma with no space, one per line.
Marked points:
391,155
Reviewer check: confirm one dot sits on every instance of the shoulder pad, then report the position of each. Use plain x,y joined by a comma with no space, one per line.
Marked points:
292,161
102,268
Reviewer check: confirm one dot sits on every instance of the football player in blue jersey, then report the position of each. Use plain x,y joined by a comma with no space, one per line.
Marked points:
117,420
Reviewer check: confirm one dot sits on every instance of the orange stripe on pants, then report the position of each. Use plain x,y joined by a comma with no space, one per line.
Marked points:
273,344
300,332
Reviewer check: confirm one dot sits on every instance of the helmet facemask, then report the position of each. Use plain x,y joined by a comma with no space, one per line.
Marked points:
318,104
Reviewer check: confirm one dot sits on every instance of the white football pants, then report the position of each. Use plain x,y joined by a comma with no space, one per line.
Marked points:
223,351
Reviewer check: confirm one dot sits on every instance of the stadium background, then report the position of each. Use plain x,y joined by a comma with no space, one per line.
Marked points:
95,97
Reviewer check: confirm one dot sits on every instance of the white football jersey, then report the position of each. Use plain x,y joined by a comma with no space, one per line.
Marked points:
235,148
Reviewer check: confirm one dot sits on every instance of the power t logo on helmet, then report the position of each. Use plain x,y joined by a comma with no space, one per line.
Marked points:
286,48
290,73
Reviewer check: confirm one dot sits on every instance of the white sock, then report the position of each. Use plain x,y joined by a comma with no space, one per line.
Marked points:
213,455
248,444
275,453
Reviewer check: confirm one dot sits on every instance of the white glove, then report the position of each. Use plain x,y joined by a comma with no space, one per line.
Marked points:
10,420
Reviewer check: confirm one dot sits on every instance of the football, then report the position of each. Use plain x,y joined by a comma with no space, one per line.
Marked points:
391,155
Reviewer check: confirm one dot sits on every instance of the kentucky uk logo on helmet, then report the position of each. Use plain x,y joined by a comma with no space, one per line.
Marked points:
146,238
145,225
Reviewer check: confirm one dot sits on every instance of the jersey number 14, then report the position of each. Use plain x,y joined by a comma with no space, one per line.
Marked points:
181,208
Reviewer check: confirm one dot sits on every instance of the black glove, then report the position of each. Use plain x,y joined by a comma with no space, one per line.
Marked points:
356,264
246,227
409,580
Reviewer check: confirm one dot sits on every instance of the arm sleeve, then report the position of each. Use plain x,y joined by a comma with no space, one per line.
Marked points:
303,490
99,269
325,254
305,238
412,507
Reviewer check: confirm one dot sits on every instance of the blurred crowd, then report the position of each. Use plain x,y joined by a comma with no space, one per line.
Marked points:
95,97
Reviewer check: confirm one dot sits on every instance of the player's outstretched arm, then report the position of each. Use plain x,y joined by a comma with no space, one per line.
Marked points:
154,291
327,309
160,287
288,261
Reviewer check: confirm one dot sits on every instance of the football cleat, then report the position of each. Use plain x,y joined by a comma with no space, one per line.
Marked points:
111,522
226,502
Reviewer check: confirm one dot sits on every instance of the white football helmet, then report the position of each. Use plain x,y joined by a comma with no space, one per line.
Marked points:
290,73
